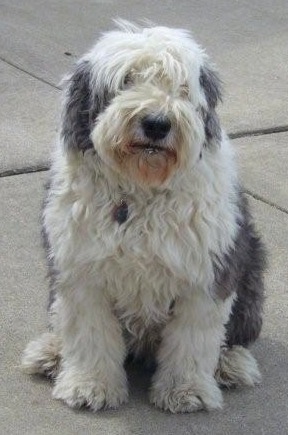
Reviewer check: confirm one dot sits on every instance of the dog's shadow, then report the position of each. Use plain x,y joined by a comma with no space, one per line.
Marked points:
139,375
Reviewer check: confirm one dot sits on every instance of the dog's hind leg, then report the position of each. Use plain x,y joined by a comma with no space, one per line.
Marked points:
246,266
236,364
42,356
245,322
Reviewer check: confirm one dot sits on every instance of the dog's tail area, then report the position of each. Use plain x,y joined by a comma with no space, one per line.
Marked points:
42,356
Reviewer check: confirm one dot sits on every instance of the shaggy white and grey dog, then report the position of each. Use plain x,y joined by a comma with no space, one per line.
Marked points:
151,247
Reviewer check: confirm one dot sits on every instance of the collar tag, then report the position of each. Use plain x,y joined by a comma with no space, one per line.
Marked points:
120,212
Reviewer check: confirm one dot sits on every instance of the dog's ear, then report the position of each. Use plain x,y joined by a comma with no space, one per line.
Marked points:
78,111
212,88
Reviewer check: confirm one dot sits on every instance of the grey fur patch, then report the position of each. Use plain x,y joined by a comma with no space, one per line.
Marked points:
212,87
213,129
81,108
242,271
52,272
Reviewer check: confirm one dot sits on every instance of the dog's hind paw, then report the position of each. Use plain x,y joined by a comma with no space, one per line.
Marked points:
237,366
42,356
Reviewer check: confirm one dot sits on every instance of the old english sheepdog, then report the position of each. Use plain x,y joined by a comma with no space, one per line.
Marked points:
151,247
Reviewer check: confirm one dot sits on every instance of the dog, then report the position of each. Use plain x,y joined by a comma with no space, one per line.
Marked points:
151,247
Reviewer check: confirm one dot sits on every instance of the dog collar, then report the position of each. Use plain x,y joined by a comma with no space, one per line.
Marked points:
120,212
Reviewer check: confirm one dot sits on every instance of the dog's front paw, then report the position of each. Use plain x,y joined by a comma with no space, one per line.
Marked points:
187,397
94,393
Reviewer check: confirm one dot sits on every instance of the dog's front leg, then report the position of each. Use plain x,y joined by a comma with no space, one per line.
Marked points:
188,355
93,350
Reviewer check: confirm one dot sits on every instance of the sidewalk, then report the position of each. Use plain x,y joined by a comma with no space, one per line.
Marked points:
248,42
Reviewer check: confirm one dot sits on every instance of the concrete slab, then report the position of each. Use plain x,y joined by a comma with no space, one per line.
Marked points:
28,119
26,403
248,40
261,160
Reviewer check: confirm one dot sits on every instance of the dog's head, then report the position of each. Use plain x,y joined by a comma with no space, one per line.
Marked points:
145,99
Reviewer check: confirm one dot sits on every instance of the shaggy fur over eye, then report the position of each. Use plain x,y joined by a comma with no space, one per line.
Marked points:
151,247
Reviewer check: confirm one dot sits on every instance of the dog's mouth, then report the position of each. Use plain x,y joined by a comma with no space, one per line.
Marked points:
147,148
150,162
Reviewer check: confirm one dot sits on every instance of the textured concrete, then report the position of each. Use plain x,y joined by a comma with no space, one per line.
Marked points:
262,165
28,119
247,39
26,403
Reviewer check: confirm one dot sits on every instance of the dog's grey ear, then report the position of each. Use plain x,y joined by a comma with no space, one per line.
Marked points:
78,111
212,88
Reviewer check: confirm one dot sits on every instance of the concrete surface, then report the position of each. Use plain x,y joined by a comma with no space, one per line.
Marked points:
248,40
26,403
262,163
27,119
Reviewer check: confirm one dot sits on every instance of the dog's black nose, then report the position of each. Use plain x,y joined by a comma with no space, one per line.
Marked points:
156,127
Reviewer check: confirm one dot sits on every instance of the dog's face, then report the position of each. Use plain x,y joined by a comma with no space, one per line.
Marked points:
145,100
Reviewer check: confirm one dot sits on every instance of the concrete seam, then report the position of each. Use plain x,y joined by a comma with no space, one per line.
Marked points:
265,201
259,132
30,74
25,170
45,168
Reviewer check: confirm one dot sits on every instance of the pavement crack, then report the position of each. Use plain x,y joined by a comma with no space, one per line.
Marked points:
30,74
265,201
25,170
259,132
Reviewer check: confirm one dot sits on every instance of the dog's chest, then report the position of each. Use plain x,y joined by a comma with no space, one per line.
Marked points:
152,251
154,256
139,279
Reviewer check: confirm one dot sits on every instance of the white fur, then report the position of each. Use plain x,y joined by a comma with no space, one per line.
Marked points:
114,277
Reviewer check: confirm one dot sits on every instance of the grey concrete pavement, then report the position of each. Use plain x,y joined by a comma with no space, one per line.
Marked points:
28,119
26,404
248,40
262,162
